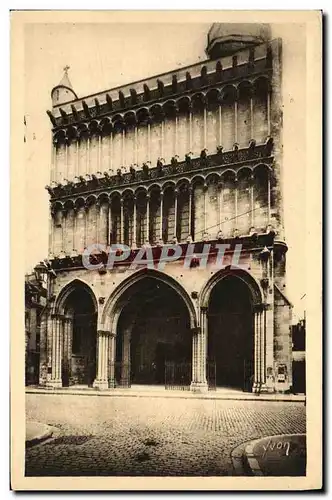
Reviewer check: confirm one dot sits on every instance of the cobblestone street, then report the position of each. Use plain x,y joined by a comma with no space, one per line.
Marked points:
150,436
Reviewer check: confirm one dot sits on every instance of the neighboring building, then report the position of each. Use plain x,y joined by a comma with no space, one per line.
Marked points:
299,370
35,301
193,155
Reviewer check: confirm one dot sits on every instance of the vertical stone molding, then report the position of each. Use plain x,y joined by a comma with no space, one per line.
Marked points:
56,332
67,350
103,337
199,382
259,349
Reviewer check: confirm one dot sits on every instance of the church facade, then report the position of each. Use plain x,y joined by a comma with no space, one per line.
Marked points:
191,158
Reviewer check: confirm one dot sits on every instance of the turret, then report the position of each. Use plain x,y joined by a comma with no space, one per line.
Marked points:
63,92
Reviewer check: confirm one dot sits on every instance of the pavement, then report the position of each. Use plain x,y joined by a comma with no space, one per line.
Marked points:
160,392
126,436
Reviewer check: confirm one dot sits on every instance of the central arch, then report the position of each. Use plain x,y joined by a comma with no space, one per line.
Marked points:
151,317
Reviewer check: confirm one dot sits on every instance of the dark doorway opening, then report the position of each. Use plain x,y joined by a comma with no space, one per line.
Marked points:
153,329
230,333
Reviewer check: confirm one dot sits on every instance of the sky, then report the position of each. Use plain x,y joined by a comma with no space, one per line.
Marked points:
110,54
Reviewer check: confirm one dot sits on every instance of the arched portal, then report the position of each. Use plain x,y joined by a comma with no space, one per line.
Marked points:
77,306
231,332
153,329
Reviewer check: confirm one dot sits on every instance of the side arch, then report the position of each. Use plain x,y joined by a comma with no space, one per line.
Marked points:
248,279
60,301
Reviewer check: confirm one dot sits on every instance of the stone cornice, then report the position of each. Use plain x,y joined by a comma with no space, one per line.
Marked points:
250,243
189,167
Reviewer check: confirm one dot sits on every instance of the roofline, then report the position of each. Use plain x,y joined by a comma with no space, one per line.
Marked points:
142,80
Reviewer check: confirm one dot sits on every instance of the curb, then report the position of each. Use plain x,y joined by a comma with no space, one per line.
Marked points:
45,432
114,393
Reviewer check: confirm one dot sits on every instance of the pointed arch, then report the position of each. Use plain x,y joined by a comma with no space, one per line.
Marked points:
244,276
74,284
119,297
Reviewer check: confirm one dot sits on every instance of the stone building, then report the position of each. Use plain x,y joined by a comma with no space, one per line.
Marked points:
194,157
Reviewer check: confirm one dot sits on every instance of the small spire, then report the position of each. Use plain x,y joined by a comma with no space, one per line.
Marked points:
65,82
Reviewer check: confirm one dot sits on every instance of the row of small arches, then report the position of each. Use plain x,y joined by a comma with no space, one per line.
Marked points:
247,174
231,93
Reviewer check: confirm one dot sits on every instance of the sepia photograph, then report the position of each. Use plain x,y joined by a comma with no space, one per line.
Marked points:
164,202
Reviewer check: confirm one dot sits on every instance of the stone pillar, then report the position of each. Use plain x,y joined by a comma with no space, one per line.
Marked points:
111,359
161,215
147,217
220,125
67,350
101,381
190,212
125,367
259,350
98,215
199,382
134,243
176,192
121,221
56,352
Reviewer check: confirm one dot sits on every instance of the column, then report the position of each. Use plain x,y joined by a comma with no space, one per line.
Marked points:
121,220
176,192
176,132
149,141
67,349
199,383
123,152
161,216
99,153
190,211
65,174
252,213
125,367
56,352
220,126
221,205
190,129
259,356
87,156
235,120
205,188
101,381
268,113
136,146
98,214
64,231
111,359
111,152
268,197
77,171
134,222
86,211
109,242
205,125
236,214
162,137
148,217
251,118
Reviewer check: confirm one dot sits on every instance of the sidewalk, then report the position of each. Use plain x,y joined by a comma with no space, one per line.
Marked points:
36,433
281,455
161,392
